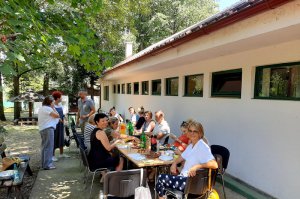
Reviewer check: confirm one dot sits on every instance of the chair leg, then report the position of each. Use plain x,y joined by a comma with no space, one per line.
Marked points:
223,186
92,183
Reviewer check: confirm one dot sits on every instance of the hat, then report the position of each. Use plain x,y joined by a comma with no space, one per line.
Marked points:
6,163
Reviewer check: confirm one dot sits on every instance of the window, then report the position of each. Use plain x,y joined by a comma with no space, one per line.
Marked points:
115,90
280,81
227,83
106,93
128,88
119,89
145,88
172,86
156,87
136,88
123,88
193,85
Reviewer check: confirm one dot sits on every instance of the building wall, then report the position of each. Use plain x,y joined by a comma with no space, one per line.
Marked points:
262,135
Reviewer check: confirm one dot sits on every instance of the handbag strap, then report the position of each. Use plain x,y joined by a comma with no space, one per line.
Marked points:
142,173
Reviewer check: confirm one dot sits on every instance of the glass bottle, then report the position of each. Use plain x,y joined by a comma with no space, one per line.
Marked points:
16,174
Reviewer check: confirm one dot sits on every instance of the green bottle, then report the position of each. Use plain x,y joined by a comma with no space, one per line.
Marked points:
130,129
143,140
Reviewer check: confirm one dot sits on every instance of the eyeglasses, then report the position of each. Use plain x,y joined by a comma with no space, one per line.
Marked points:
190,131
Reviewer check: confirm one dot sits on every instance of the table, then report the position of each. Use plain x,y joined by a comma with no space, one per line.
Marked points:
9,184
156,162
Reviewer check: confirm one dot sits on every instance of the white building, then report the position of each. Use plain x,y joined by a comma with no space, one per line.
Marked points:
243,98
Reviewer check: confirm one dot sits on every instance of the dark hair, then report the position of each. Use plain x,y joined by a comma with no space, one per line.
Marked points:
150,113
56,95
47,101
99,116
113,108
141,110
184,124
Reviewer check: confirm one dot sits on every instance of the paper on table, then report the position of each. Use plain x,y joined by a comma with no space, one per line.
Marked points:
165,158
137,156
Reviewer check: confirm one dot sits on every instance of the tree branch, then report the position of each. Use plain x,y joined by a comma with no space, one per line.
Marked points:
26,71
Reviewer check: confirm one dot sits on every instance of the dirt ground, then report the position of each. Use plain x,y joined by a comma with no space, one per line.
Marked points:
23,140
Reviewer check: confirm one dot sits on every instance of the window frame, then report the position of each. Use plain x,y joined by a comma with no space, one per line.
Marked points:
138,92
185,85
118,89
153,81
226,94
143,87
256,82
106,93
114,89
128,89
123,88
167,90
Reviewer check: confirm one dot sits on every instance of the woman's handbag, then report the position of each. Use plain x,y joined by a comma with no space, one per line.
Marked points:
142,192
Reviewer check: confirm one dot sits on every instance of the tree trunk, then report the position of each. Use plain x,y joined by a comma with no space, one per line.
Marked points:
92,82
30,104
46,85
2,116
17,105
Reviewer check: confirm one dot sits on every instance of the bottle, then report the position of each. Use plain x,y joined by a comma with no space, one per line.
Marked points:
153,143
143,140
130,128
123,128
16,174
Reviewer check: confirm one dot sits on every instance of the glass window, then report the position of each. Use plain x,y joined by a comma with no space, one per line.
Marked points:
156,87
145,88
128,88
123,88
172,86
281,81
106,93
136,88
227,83
119,89
193,85
115,90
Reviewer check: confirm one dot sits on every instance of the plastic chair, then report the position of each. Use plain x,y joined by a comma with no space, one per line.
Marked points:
123,183
198,186
88,170
223,163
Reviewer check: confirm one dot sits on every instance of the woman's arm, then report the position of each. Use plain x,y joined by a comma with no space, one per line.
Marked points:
173,168
100,135
212,164
150,128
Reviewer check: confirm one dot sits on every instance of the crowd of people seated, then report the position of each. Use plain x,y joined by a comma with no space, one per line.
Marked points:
101,137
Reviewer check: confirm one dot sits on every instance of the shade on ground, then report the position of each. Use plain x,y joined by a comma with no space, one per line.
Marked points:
66,181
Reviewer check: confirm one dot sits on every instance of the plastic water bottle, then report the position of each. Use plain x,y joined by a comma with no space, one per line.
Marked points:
16,174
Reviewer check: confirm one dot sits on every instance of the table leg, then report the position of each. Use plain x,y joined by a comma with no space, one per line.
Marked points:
28,169
155,180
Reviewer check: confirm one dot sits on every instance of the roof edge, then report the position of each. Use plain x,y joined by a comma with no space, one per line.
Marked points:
238,12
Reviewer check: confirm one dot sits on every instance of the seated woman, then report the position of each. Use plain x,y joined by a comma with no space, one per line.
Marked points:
196,156
113,113
182,141
111,130
133,116
88,129
141,119
100,156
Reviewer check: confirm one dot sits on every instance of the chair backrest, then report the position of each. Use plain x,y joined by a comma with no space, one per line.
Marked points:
84,157
123,183
223,151
199,184
166,140
67,130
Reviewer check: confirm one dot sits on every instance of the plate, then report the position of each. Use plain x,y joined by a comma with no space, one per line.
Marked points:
6,175
122,146
165,158
137,156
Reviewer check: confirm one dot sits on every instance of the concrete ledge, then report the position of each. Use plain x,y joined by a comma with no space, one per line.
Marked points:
243,188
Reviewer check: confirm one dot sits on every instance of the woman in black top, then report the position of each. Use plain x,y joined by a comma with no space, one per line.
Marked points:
100,155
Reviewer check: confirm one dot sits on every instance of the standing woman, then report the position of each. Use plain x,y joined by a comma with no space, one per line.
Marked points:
59,130
48,118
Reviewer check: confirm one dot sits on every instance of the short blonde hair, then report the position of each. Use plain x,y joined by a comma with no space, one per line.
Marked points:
91,119
197,125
